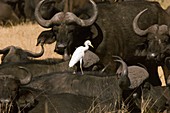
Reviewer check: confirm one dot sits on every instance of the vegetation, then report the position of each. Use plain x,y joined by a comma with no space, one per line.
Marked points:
25,36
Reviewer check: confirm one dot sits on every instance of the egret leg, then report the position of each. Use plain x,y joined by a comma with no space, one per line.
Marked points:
81,61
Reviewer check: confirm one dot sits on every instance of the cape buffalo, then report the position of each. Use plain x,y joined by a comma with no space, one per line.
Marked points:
94,85
117,35
36,67
153,98
7,15
62,103
106,90
9,90
17,54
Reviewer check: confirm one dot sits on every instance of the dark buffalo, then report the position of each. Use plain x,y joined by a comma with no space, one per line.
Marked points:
37,67
30,5
9,90
51,7
62,103
66,103
7,15
12,3
153,98
88,85
19,99
49,65
116,29
62,43
17,7
105,90
17,54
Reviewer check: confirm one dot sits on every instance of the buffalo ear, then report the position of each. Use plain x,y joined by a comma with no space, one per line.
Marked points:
141,49
46,37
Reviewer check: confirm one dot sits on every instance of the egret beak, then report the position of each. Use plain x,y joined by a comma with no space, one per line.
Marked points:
91,45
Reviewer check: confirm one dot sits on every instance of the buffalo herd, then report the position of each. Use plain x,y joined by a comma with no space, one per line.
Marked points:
130,39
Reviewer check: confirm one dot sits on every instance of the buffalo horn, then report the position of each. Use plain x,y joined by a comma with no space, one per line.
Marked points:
124,81
5,50
28,78
136,27
123,67
67,17
152,29
87,22
39,18
36,55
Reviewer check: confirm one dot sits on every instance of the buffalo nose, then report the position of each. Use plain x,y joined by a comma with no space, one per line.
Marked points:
61,46
60,49
5,100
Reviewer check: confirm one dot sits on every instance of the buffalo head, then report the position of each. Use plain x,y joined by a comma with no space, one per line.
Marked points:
152,98
65,25
17,54
156,42
9,89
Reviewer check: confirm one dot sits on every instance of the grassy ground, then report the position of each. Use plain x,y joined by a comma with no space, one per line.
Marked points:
25,36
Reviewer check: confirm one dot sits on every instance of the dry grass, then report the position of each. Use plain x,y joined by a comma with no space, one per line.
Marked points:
25,36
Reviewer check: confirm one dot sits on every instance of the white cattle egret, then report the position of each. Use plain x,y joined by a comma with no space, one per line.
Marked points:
79,54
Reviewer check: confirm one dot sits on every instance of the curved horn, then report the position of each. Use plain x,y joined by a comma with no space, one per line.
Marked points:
87,22
68,17
124,81
118,57
5,50
124,68
8,52
36,55
136,27
39,18
28,78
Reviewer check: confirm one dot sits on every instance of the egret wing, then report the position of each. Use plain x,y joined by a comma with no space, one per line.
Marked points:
77,55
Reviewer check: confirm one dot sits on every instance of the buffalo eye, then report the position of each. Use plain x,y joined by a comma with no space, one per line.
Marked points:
55,29
71,28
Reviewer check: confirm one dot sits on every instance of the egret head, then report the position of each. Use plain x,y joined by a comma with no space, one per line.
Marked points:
87,42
